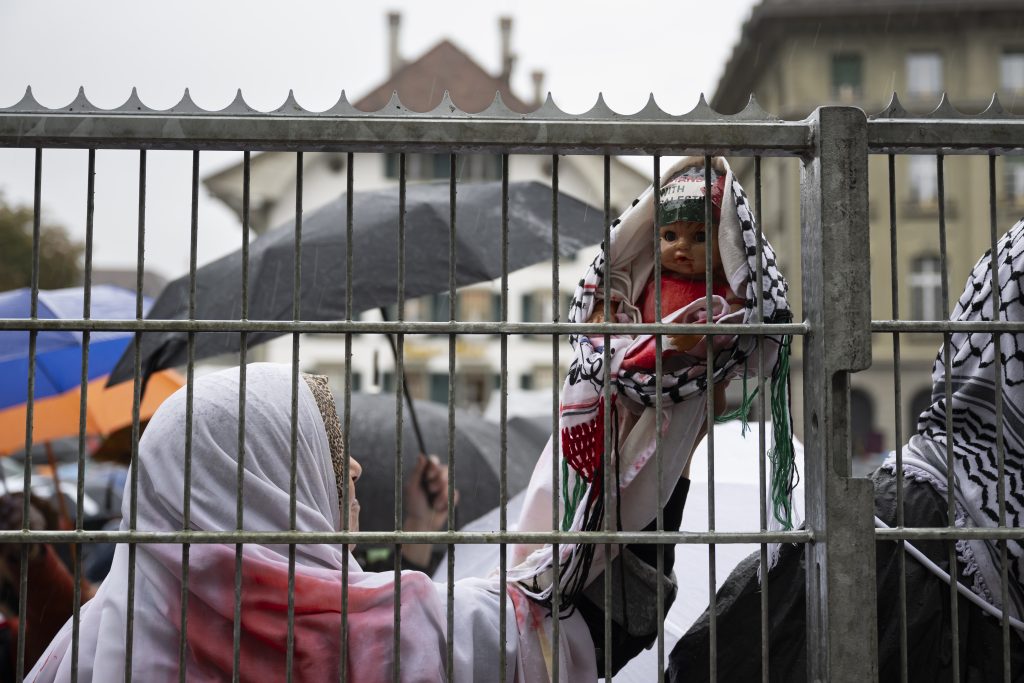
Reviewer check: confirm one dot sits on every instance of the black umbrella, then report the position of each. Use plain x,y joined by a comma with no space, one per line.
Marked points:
477,455
375,258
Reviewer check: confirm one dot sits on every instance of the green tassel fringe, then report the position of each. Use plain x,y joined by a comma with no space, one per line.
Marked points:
782,456
742,412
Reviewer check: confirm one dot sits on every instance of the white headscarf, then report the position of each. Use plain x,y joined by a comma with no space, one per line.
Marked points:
317,651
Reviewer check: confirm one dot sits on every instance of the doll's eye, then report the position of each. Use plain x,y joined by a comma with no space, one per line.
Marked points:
699,236
669,236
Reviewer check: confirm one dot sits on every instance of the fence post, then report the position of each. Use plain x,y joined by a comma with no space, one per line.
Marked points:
841,605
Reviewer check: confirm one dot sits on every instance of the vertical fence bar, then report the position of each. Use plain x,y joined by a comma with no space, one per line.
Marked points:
399,375
33,335
556,597
347,420
76,616
898,399
133,506
711,245
236,630
840,581
189,401
503,471
954,607
452,315
292,478
761,473
997,361
606,390
659,421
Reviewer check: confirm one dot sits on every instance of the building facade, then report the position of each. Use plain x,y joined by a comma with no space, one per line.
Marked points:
795,55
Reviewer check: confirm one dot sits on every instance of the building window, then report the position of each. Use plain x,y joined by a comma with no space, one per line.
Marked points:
439,387
924,181
427,309
1013,172
541,377
478,305
536,307
867,442
478,167
847,77
473,389
926,289
1011,71
469,167
924,74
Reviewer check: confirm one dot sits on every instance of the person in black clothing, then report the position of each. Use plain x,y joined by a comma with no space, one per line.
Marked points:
973,443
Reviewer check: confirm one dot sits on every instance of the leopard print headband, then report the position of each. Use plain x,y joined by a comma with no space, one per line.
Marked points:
332,425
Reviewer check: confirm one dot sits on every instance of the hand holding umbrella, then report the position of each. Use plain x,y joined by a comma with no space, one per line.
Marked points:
425,501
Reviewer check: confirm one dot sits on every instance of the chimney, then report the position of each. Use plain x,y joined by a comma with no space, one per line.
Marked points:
538,87
394,57
507,58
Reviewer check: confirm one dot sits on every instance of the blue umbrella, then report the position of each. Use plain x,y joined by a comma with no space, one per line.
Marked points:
59,354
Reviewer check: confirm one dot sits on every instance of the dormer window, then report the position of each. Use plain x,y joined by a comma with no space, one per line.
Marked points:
847,77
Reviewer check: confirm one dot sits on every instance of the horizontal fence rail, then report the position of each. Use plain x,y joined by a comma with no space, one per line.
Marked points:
490,538
369,327
832,147
395,128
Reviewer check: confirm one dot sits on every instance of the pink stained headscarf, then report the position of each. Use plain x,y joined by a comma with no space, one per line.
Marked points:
317,650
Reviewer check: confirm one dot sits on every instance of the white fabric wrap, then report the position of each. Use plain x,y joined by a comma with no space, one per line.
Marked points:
318,569
631,255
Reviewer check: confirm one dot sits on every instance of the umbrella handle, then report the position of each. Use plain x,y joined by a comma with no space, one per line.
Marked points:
412,410
405,390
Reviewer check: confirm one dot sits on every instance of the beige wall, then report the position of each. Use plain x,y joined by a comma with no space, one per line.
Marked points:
797,79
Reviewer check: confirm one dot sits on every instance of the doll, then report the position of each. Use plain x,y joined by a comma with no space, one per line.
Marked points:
682,240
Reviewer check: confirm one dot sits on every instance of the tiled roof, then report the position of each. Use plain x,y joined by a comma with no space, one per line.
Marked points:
421,83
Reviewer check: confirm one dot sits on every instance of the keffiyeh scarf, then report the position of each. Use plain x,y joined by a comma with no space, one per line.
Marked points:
973,383
629,263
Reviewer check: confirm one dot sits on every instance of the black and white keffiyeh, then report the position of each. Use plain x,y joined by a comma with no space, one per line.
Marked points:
629,263
974,382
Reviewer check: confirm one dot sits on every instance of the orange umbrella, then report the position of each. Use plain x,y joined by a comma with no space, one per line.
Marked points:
108,410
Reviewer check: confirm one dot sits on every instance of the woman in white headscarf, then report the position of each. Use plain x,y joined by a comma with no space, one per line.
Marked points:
208,639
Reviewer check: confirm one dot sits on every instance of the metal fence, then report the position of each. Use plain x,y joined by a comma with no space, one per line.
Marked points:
833,147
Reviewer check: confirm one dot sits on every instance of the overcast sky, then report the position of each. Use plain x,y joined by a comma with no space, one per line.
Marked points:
625,50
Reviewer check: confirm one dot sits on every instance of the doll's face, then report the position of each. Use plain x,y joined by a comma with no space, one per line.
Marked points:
684,249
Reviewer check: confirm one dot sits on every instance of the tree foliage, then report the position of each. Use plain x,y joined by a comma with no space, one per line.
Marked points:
59,255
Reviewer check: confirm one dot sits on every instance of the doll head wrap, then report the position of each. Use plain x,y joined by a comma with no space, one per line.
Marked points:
681,198
332,425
